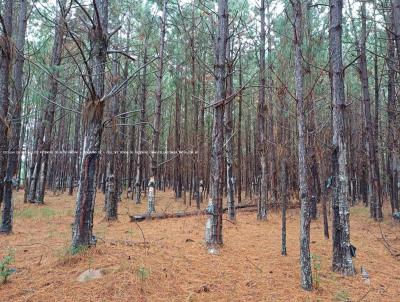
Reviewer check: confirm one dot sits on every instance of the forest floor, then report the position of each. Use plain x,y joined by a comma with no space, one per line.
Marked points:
175,265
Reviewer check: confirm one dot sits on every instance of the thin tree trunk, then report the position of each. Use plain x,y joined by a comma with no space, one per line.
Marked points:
157,115
113,175
239,132
178,170
375,203
229,136
284,194
142,121
391,126
261,111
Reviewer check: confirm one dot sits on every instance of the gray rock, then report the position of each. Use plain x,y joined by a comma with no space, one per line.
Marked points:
90,274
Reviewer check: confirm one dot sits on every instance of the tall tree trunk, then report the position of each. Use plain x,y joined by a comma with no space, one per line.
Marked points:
82,232
392,122
12,163
284,195
229,135
305,261
142,121
341,261
239,131
157,115
75,156
215,209
314,181
261,111
113,175
375,203
5,72
396,25
178,170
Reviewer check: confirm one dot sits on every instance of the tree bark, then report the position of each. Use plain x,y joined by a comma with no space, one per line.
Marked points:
82,233
375,202
214,223
305,261
391,123
142,121
284,195
341,260
5,72
261,111
113,175
229,135
157,115
12,163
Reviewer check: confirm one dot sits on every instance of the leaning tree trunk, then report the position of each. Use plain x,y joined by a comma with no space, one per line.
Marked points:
5,71
341,261
261,111
12,163
93,119
214,223
305,261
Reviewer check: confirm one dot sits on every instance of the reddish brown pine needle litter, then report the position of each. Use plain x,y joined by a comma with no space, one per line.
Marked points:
171,263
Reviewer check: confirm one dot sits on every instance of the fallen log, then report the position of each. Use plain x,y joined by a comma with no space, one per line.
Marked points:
154,216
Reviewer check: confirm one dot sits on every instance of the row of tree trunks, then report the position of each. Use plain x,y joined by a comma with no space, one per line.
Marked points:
375,195
37,183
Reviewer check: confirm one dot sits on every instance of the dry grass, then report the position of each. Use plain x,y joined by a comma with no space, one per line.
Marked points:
175,265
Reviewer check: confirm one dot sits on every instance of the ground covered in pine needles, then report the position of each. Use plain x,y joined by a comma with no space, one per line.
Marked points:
166,260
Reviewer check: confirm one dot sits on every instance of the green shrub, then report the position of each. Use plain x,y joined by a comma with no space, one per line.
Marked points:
5,270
